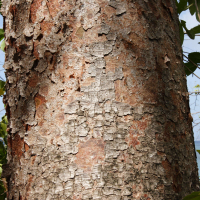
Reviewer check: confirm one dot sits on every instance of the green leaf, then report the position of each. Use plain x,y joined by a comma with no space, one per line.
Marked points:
189,68
181,33
1,92
0,4
3,45
176,3
2,84
195,29
192,7
4,127
2,88
194,57
2,191
5,119
198,151
181,6
189,6
3,153
193,196
1,34
189,32
197,17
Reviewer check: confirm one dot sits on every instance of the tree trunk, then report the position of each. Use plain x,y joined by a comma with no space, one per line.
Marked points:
97,101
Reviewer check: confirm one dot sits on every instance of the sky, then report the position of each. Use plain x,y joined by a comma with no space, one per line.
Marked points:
188,46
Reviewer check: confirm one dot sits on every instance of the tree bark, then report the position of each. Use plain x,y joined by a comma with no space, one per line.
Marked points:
97,101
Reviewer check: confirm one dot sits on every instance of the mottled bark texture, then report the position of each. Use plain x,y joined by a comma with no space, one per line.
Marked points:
97,102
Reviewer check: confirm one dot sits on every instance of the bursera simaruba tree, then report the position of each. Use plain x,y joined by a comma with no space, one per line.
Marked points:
97,101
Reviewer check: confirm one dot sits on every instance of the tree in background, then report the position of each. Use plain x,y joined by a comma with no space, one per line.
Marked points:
97,101
192,60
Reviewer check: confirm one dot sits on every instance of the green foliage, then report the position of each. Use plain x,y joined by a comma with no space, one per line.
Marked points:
194,57
1,34
181,6
2,191
3,45
198,151
3,144
194,6
3,127
195,29
3,153
189,32
2,88
193,196
189,68
193,62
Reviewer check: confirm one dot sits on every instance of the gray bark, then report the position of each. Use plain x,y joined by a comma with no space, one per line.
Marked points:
97,101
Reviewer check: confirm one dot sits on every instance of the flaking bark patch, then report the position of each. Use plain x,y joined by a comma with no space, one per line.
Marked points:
35,6
168,168
90,153
46,27
16,145
33,80
133,140
44,89
39,100
26,147
28,186
80,32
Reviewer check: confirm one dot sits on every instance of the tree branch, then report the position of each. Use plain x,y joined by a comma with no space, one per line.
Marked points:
197,9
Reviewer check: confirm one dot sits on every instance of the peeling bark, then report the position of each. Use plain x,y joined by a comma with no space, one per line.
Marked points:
97,101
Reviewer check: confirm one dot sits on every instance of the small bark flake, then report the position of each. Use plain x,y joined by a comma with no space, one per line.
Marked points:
80,32
33,80
133,141
168,168
13,9
16,145
90,153
46,27
39,100
26,147
34,8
